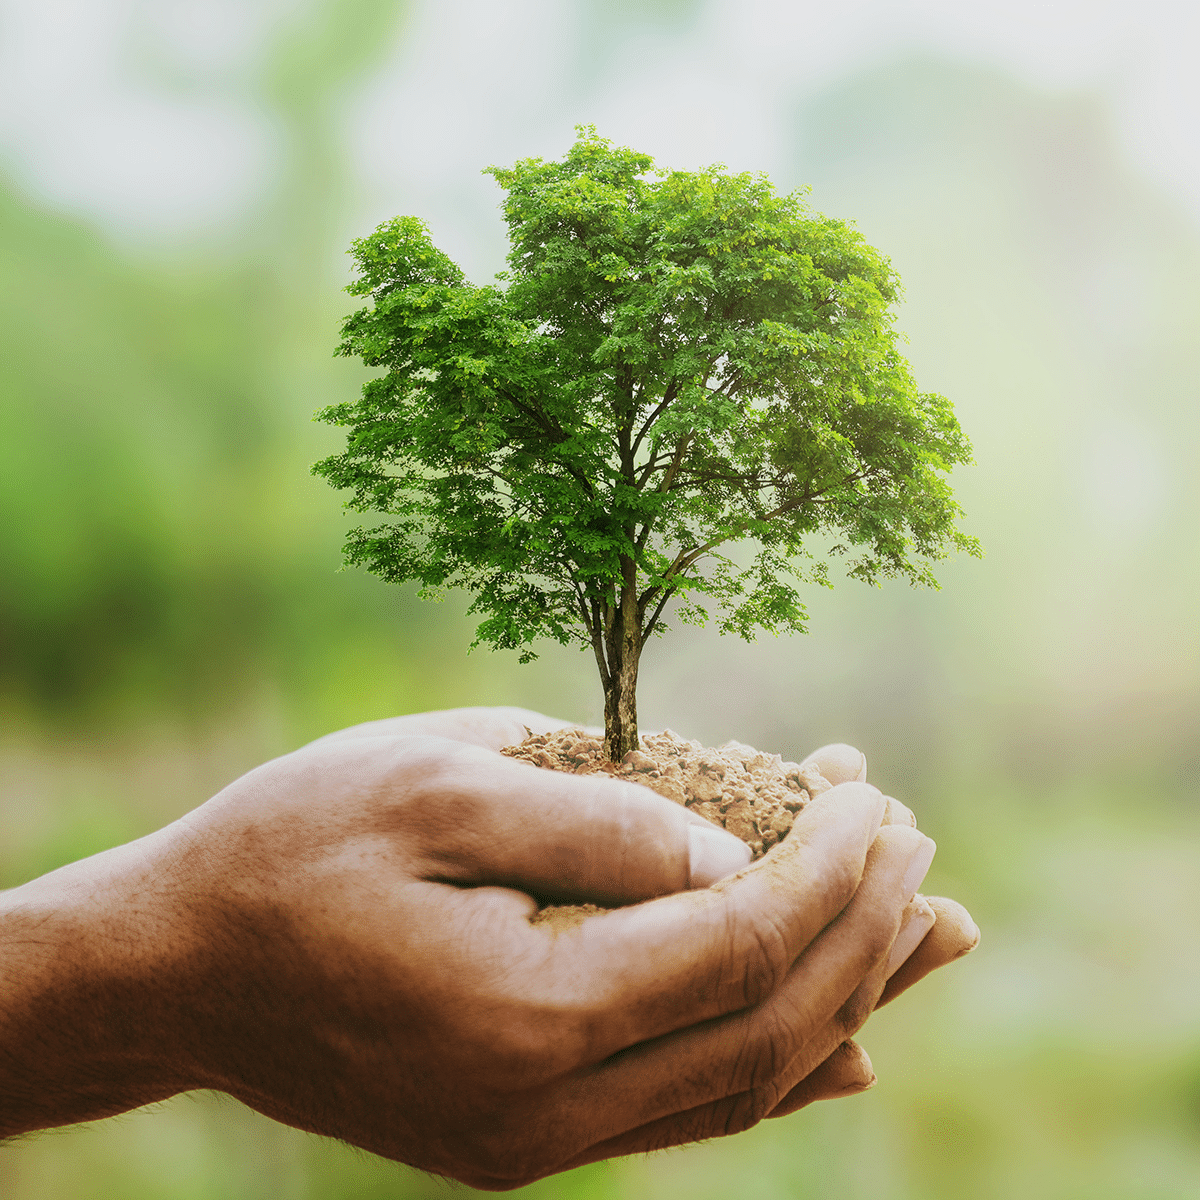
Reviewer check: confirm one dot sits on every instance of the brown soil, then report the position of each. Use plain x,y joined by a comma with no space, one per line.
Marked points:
751,794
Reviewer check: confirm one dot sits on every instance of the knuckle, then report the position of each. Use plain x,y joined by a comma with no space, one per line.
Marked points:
742,1112
830,880
878,940
484,1154
486,1182
762,946
500,1172
852,1016
529,1050
764,1055
507,1171
837,876
418,768
721,1118
514,1150
841,881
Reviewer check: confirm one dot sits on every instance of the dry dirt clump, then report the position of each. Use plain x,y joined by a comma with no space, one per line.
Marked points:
753,795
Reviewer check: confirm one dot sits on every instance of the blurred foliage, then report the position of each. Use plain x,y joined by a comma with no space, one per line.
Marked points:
163,549
170,614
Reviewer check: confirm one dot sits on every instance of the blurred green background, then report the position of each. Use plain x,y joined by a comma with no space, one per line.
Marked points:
177,184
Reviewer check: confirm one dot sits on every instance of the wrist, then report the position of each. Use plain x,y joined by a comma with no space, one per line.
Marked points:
83,977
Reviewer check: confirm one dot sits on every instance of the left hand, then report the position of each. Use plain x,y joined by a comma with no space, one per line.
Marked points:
935,932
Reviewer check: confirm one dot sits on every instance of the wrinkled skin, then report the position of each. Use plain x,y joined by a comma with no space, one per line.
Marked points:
340,939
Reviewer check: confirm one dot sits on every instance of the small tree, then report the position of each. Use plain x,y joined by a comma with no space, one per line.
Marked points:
678,360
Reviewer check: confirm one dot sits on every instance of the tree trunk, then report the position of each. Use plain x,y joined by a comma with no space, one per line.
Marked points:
624,649
620,710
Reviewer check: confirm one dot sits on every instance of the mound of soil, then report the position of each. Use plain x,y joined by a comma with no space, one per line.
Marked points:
751,794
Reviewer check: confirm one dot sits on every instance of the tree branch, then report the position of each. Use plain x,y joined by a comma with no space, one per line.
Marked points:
731,384
594,625
648,469
676,461
669,394
650,625
549,426
686,558
555,430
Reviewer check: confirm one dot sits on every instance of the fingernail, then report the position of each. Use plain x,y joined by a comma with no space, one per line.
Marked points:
918,866
916,925
854,1089
899,814
713,854
974,940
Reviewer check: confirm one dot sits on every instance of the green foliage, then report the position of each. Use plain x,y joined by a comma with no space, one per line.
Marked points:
674,361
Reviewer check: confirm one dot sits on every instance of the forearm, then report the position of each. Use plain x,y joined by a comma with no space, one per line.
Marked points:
81,1020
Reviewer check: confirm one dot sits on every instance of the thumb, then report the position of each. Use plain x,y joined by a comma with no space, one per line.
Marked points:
491,820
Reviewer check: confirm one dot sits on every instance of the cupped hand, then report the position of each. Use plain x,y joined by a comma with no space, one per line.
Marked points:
341,939
935,931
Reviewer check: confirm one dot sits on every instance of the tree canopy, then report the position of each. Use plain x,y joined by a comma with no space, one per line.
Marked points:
674,361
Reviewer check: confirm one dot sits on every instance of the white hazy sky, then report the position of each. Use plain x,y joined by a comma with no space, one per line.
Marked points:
143,115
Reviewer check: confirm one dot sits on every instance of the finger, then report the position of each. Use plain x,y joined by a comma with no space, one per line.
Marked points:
478,818
842,1068
651,969
918,919
765,1050
832,1065
953,935
846,1072
491,728
853,1014
835,1076
839,763
899,814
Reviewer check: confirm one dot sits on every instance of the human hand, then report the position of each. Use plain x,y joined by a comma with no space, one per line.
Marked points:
935,931
340,939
